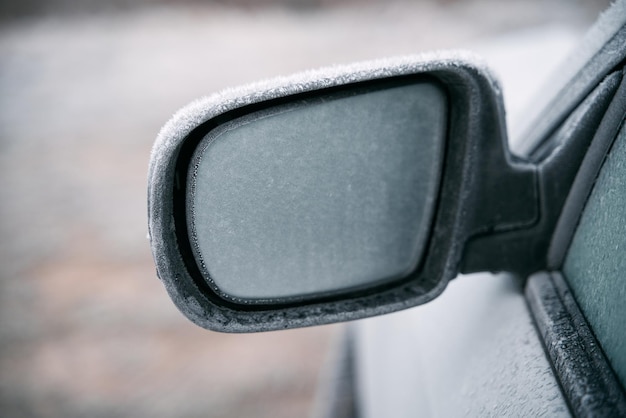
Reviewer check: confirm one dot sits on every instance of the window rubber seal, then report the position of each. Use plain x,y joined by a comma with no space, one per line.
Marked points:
587,380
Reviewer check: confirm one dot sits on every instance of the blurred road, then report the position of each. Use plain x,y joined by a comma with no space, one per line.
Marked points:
86,329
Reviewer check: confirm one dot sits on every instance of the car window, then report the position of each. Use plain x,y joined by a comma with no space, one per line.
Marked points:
595,266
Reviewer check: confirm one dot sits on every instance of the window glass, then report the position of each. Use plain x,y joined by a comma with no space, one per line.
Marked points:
595,266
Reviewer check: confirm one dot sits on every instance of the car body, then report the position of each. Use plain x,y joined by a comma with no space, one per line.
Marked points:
543,337
490,345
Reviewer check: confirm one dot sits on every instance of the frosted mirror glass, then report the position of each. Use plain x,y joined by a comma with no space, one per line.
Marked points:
318,196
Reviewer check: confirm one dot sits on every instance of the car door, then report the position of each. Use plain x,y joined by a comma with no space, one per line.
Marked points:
553,344
580,309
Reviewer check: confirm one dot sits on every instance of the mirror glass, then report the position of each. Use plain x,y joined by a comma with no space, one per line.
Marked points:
320,195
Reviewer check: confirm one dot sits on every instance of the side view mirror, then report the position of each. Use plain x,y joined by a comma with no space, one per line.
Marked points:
337,194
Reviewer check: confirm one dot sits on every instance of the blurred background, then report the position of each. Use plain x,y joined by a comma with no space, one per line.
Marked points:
86,329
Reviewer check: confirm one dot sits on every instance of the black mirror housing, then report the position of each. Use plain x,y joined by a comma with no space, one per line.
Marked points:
475,167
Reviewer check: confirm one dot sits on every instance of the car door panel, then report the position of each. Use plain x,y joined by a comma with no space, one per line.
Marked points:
473,351
584,382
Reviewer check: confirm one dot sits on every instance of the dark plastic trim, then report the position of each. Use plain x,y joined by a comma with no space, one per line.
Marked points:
586,176
524,251
585,376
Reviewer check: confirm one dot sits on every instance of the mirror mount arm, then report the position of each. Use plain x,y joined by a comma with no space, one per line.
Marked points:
498,238
498,194
542,184
504,196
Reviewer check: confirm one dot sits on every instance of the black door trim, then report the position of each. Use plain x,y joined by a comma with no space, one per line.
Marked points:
586,378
